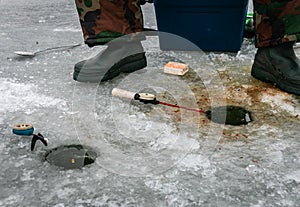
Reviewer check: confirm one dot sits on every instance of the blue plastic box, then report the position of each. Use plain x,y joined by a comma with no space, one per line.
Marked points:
212,25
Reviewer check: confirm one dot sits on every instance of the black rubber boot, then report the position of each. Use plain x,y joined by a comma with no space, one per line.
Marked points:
280,65
117,58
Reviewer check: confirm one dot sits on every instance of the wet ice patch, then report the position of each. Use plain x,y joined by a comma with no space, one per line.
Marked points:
194,162
13,199
253,169
173,192
280,100
269,131
27,175
59,205
294,176
161,186
66,29
64,192
227,57
274,158
171,142
24,97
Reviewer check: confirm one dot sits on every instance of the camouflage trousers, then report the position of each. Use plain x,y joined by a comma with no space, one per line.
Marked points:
104,20
276,21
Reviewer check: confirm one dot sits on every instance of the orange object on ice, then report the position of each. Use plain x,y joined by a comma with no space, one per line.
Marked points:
176,68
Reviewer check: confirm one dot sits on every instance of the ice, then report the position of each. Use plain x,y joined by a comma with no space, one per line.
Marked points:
282,101
148,155
294,176
66,29
23,97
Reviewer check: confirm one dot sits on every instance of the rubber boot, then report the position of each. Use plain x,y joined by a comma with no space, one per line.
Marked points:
280,65
117,58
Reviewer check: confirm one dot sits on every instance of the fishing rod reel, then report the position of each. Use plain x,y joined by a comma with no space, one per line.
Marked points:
142,97
146,98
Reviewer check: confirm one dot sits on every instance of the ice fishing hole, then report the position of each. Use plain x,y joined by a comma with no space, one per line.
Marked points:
230,115
71,156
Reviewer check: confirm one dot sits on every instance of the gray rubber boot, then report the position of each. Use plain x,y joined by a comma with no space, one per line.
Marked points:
117,58
280,65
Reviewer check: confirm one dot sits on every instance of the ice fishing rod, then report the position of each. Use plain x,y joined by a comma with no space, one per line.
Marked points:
149,98
27,130
232,115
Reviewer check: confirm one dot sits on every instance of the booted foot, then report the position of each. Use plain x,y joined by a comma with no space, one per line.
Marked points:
279,65
117,58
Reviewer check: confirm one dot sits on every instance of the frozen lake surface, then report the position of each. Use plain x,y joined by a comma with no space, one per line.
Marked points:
148,155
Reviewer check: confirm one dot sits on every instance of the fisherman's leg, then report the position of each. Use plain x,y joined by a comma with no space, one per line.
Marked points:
277,27
106,22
